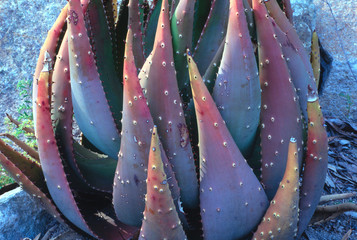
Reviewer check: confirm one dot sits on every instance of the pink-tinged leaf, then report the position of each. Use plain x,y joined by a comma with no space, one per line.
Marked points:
56,178
280,115
131,173
237,89
161,220
158,78
288,10
50,46
287,27
50,159
315,168
250,20
232,200
99,32
300,77
62,112
90,105
30,187
135,24
129,183
81,161
280,220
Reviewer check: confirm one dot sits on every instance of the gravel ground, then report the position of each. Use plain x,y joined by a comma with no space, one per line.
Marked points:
336,25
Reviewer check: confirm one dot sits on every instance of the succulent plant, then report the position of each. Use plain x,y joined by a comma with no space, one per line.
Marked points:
198,120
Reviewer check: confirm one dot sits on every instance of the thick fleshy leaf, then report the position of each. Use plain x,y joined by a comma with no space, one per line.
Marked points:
50,45
288,10
50,159
90,105
210,76
62,112
237,88
111,13
100,35
212,34
280,220
135,25
181,28
209,79
202,9
121,28
144,9
315,57
151,25
316,161
56,178
280,115
30,187
131,173
96,169
232,200
161,221
158,78
28,167
250,19
299,75
286,26
100,172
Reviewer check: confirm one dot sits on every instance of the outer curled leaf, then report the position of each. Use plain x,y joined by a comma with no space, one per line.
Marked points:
316,161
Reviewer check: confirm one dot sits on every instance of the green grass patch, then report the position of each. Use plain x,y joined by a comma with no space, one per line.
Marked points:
4,178
25,116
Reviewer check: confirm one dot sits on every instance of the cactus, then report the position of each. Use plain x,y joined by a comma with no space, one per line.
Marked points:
171,140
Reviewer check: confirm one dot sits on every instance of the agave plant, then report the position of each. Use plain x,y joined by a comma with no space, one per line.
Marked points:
166,153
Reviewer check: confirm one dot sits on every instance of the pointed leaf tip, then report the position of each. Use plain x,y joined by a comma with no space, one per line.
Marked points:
316,162
224,173
158,77
280,116
281,218
160,220
238,81
129,182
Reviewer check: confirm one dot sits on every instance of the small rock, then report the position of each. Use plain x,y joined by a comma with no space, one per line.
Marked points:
23,217
351,214
304,20
344,142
